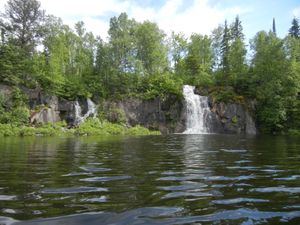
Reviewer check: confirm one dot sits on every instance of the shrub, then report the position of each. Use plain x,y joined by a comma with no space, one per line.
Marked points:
138,130
116,115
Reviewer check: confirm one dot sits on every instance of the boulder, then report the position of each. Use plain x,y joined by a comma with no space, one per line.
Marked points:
45,115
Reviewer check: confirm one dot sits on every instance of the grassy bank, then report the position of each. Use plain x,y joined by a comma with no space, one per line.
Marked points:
91,127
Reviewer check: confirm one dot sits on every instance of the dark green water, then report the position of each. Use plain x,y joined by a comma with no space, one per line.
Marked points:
178,179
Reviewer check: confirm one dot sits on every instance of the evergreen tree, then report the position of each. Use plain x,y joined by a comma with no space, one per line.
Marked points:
225,47
237,54
24,20
237,29
294,31
274,26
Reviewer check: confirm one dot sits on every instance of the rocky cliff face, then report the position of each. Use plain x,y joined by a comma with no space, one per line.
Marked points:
232,118
167,115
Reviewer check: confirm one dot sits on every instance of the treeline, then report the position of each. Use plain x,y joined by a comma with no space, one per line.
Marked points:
138,60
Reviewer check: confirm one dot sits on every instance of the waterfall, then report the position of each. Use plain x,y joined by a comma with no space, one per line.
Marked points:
197,112
92,111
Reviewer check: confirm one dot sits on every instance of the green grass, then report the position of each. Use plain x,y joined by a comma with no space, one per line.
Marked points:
91,127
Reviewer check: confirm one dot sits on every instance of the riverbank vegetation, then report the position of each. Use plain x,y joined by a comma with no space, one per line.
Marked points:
91,127
139,60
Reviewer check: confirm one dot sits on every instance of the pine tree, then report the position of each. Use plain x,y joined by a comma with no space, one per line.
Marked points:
274,26
24,20
294,31
225,47
237,29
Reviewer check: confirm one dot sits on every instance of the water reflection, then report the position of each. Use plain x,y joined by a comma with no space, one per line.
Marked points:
178,179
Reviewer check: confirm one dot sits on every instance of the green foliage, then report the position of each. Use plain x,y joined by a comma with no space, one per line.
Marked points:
113,115
133,62
23,24
17,116
161,85
226,94
94,126
91,127
294,31
293,132
14,66
151,51
138,130
275,81
234,119
198,62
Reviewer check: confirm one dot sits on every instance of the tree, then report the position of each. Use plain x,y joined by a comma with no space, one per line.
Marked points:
294,31
14,65
122,39
225,48
272,83
217,37
178,51
236,29
237,54
151,51
198,62
23,20
292,45
274,27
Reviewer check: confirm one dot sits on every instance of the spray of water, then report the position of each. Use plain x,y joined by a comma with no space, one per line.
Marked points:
197,111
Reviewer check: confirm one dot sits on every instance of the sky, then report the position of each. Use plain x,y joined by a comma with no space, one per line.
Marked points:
185,16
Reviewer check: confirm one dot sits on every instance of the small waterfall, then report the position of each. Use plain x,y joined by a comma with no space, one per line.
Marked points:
197,112
92,111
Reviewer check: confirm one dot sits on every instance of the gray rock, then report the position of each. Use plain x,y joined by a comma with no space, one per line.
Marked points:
5,90
45,115
234,118
166,115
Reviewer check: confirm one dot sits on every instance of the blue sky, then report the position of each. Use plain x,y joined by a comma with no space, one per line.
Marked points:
186,16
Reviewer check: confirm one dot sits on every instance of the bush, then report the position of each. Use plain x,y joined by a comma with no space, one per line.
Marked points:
161,85
91,126
226,94
138,130
17,116
294,132
116,115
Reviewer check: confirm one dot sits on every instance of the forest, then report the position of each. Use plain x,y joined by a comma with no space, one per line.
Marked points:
139,60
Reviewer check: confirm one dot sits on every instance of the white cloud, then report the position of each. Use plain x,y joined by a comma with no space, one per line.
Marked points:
296,12
198,17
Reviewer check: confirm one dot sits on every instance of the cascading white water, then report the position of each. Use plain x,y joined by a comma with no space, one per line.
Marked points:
197,112
92,111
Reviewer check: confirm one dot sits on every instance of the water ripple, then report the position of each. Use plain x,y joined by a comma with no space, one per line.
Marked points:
292,190
73,174
73,190
233,150
95,169
186,194
238,200
183,187
224,178
293,177
166,216
7,197
104,179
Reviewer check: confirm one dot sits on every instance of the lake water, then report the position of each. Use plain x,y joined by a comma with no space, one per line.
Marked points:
156,180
